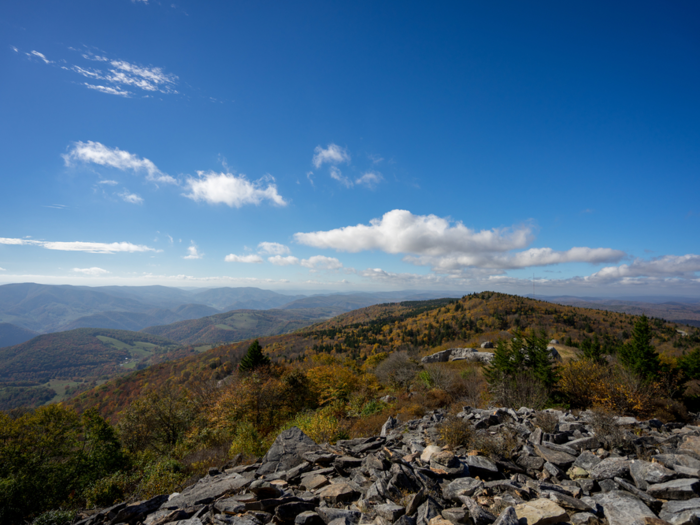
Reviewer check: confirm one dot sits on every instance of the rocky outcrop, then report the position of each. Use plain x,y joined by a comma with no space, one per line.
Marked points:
458,354
404,477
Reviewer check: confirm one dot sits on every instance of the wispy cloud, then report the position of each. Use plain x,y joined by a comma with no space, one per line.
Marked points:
40,56
80,246
56,206
273,248
369,179
2,270
14,49
336,174
96,153
232,190
249,259
333,154
108,90
192,252
131,198
95,271
108,182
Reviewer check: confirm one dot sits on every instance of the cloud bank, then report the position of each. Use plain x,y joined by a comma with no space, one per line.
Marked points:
79,246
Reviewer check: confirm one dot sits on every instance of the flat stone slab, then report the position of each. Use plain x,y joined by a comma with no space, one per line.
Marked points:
645,473
610,468
690,445
622,508
541,512
681,512
675,489
205,493
556,457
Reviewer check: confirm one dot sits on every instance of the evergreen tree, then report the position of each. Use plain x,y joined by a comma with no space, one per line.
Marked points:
639,355
253,359
522,355
593,349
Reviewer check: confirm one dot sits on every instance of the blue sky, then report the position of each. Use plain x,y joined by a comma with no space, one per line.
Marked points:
352,145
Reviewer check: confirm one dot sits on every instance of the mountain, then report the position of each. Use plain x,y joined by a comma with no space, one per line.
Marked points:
249,298
137,321
78,354
341,303
14,335
238,325
677,310
424,326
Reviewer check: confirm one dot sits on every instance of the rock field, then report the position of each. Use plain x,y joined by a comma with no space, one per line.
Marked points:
650,474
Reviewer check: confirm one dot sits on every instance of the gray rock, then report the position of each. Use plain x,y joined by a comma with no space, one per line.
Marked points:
507,517
690,445
556,457
675,489
339,493
645,473
584,518
308,518
622,508
229,506
482,467
478,514
610,468
288,512
460,487
456,515
681,512
569,502
540,512
264,490
388,426
608,485
286,451
427,511
447,462
487,344
390,511
416,501
205,493
329,514
587,460
652,503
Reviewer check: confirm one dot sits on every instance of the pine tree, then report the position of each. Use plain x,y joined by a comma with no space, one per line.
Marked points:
253,359
639,355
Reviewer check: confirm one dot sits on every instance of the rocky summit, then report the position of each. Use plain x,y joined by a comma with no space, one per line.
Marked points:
640,473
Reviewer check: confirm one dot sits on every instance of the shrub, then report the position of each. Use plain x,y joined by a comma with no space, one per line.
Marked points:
55,517
521,390
607,429
109,490
321,426
248,441
547,421
436,376
503,444
455,432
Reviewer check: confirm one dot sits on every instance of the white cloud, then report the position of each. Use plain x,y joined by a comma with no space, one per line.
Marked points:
89,73
524,259
14,49
227,188
337,175
96,153
108,90
108,182
399,231
273,248
92,271
668,266
146,78
40,56
369,179
279,260
131,198
192,252
333,154
79,246
170,239
2,270
321,262
250,259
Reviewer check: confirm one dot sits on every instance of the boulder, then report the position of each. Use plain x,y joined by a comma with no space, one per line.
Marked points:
540,512
622,508
286,451
675,489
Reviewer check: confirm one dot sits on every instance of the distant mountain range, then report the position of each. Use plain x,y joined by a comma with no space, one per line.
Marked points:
28,309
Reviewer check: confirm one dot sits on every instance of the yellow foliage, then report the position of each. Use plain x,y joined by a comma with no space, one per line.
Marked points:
332,382
321,426
373,360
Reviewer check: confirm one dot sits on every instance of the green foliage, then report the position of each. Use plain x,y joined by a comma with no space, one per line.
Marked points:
592,349
49,456
254,358
55,517
248,441
690,364
639,355
523,354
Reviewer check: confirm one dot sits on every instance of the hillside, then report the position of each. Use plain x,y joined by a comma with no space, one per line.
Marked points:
135,321
31,372
422,326
238,325
13,335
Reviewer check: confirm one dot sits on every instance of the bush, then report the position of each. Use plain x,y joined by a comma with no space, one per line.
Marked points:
606,429
503,444
521,390
55,517
455,432
435,376
547,421
109,490
321,426
248,441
